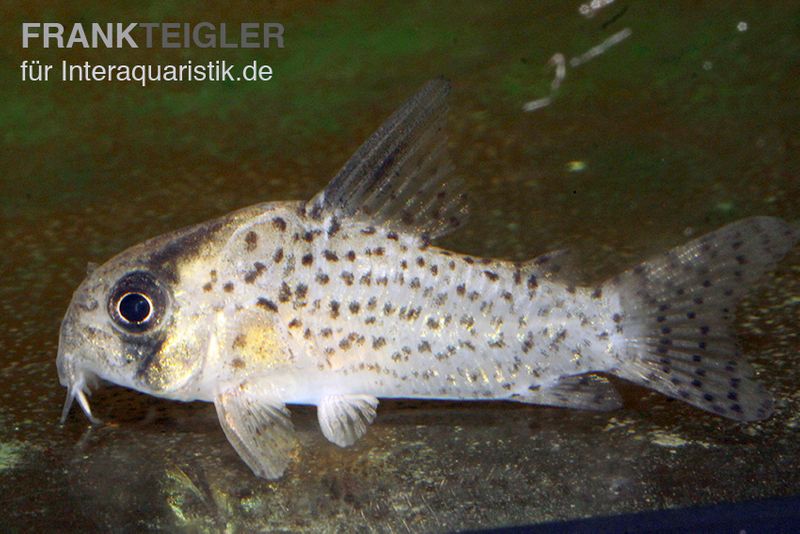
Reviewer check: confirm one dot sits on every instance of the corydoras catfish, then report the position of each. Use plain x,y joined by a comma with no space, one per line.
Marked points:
342,300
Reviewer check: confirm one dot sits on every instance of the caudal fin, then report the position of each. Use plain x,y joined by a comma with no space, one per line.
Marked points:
676,311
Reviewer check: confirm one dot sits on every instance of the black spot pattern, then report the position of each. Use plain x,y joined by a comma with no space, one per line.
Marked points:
686,338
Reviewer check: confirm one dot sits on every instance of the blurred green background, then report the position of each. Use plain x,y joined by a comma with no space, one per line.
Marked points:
686,125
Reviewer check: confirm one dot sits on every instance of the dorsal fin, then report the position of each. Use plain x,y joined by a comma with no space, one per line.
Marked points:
399,178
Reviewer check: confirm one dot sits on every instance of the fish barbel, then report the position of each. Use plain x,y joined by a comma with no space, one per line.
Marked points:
342,300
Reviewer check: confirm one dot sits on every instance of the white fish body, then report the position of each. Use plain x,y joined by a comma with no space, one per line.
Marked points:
342,300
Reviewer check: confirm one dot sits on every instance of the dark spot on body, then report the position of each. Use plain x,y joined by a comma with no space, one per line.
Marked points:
228,287
413,313
279,223
267,304
301,291
334,227
307,260
284,294
497,344
278,256
532,283
251,241
258,269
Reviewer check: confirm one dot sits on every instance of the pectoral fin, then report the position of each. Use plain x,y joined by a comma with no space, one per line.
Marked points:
258,426
344,418
585,392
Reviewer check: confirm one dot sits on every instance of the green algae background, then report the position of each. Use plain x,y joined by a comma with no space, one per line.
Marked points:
686,125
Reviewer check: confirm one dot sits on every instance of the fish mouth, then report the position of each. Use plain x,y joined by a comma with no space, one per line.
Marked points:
77,382
73,376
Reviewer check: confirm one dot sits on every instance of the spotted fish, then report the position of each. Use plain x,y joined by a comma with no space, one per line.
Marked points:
342,300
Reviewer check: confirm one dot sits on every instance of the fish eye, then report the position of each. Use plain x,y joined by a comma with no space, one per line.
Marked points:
137,302
135,307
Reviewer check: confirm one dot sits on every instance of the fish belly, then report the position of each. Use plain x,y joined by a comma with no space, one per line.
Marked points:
432,324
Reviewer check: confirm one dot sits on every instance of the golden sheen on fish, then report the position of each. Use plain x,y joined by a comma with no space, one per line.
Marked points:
342,300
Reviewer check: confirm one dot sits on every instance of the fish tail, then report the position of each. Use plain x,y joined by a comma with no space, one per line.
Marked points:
673,326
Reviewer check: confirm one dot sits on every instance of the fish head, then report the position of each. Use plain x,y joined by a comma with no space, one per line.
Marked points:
136,321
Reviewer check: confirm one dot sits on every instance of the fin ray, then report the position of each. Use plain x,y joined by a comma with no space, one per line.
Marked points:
400,177
345,418
584,392
258,426
676,313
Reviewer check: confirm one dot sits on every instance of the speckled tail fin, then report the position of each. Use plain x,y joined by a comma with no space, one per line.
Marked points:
676,311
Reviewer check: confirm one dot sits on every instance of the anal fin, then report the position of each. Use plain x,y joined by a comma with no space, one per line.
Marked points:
258,426
584,392
345,418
